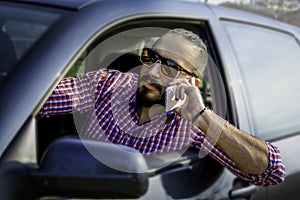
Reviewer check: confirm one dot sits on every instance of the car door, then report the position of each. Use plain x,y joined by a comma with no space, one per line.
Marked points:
268,60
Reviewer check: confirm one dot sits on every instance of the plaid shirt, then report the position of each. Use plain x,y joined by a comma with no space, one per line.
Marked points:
110,98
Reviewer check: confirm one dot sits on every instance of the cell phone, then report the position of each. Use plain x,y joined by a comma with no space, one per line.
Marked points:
170,101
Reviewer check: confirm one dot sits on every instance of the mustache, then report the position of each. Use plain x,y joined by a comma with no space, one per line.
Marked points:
152,81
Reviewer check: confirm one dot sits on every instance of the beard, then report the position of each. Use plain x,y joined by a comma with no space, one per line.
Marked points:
148,98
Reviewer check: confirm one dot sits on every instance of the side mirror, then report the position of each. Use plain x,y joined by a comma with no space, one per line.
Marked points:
69,169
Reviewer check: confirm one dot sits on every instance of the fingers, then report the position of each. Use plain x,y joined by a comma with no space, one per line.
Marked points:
179,82
192,81
183,87
180,92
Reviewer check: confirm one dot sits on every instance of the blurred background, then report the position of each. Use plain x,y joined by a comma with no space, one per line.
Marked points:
283,10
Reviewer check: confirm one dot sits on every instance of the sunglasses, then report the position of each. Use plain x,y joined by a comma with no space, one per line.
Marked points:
168,67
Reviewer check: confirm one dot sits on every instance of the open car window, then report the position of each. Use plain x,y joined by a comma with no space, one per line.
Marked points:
121,51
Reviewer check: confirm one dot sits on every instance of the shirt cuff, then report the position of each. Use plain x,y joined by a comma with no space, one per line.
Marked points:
275,173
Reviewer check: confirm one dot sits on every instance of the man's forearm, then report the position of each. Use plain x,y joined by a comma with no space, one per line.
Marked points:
250,154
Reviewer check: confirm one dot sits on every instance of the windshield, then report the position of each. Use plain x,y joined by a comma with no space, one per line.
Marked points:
20,28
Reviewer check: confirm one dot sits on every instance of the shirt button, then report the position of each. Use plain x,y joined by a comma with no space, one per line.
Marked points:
132,123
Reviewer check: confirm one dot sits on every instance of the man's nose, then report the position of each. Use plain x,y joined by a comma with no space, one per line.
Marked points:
155,70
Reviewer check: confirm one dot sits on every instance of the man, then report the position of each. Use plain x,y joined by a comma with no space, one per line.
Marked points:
129,109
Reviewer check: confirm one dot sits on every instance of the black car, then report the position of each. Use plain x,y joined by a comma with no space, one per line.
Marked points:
252,81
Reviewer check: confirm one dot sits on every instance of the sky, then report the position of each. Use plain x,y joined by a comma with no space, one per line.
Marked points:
215,1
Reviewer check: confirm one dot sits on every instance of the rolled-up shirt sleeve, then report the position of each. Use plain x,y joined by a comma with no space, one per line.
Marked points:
274,173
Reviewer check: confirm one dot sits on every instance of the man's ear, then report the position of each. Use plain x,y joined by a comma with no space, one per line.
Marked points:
197,82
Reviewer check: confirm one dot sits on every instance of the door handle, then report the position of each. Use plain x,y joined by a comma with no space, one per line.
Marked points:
244,192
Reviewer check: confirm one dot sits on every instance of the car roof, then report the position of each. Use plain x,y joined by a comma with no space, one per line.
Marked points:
231,14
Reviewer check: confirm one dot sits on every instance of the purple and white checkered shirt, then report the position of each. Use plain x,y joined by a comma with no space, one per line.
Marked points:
110,97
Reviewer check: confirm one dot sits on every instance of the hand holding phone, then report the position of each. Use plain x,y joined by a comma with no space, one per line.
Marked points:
171,102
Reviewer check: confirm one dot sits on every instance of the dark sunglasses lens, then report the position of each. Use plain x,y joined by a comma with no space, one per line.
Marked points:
168,66
148,56
169,71
146,59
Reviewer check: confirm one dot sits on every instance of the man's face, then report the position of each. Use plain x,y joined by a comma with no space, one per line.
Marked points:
151,90
152,82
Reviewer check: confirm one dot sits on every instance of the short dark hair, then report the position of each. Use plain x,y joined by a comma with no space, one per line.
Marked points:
189,35
195,39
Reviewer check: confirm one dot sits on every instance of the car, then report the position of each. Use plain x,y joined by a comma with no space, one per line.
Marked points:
251,80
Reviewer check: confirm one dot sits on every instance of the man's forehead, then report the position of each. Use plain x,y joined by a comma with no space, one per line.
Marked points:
171,42
177,44
178,48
